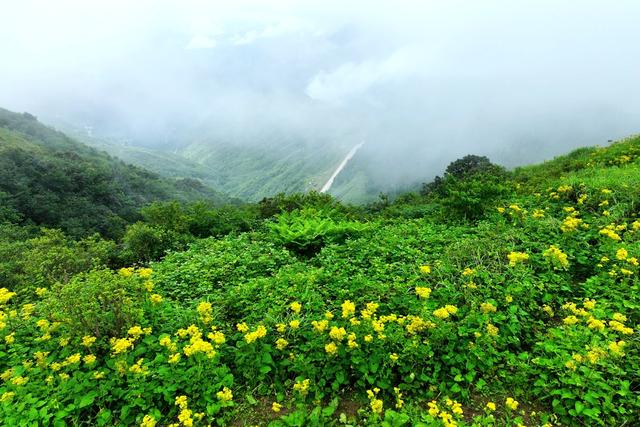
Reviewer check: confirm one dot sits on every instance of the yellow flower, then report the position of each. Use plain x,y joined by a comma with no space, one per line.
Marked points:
441,313
556,257
225,395
156,299
135,331
589,304
331,348
517,257
121,345
145,273
328,315
319,326
10,339
98,375
5,295
492,330
511,403
281,327
88,340
302,387
242,327
6,396
394,357
368,338
139,368
487,307
19,380
281,343
547,310
296,307
276,407
174,358
181,402
148,285
260,332
337,334
491,406
570,320
376,405
206,312
64,341
217,337
622,254
348,309
148,421
89,359
425,269
423,292
41,291
570,224
294,324
126,272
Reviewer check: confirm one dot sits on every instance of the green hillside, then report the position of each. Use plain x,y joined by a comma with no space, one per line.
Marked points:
49,179
248,169
489,298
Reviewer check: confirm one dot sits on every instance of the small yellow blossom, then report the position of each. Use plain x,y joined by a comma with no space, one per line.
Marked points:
296,307
348,309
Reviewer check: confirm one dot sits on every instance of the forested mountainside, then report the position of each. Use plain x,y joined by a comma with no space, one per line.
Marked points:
49,179
249,167
488,298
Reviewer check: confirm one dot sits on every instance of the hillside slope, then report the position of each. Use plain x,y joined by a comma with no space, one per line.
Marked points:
50,179
492,299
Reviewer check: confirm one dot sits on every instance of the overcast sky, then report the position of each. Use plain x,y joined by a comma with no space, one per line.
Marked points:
419,80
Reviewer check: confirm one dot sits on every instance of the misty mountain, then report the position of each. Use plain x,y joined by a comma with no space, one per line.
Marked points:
49,179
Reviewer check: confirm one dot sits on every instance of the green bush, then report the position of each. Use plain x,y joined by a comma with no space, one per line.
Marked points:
306,231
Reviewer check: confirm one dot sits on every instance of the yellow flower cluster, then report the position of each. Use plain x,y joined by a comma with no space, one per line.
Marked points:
425,269
610,233
445,312
557,258
205,310
296,307
348,309
260,332
517,257
337,334
423,292
487,307
511,403
375,403
302,387
225,395
570,223
319,325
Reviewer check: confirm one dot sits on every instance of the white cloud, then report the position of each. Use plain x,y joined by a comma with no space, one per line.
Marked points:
351,78
201,42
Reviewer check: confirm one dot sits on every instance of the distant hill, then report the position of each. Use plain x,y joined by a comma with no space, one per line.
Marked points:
243,166
49,179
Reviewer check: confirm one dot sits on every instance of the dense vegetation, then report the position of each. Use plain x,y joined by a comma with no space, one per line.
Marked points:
49,179
490,298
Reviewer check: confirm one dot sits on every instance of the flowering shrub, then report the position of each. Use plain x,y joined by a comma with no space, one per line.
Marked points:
529,317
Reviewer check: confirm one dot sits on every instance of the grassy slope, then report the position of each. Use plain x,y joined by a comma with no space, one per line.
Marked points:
568,374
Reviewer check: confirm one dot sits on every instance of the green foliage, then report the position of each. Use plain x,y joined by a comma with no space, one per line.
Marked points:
306,231
29,262
526,315
99,303
51,180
